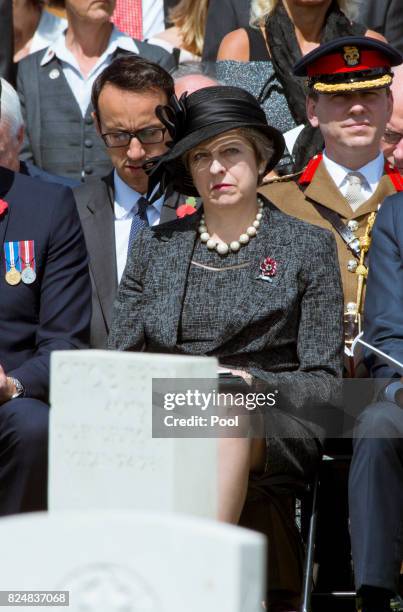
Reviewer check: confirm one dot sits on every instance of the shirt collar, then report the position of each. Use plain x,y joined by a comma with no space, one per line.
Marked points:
117,40
372,171
126,198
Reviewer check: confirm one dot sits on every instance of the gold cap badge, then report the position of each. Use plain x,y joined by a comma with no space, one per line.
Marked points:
351,56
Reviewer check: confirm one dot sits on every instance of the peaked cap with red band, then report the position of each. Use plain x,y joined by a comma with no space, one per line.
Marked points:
349,63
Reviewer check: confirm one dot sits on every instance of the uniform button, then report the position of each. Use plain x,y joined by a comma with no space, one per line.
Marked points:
88,143
88,169
89,120
353,225
352,265
351,307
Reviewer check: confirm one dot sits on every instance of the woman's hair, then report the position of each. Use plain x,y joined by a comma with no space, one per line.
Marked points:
261,8
261,144
189,16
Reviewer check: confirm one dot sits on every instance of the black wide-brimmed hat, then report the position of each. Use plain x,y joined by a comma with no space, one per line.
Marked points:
198,117
348,64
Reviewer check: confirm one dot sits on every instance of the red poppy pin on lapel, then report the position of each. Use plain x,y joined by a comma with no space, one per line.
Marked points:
268,269
188,208
3,207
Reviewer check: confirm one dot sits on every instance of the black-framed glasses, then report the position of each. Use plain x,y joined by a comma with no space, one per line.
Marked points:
391,137
149,135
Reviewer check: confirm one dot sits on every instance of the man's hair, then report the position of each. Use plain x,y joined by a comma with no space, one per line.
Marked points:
135,74
10,107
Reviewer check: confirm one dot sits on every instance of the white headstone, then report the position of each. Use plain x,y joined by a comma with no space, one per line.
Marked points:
101,450
133,562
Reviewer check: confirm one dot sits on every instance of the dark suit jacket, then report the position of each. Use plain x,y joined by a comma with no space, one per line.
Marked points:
95,200
6,38
386,17
384,300
53,313
223,16
288,332
58,138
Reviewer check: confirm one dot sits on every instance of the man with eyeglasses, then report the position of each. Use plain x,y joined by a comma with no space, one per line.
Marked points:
392,140
113,208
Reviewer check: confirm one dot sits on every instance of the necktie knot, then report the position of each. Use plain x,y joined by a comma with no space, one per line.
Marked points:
354,179
354,194
142,204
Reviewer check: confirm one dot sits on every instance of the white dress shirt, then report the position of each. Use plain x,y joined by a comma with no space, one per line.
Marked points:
125,207
81,86
372,173
49,29
153,17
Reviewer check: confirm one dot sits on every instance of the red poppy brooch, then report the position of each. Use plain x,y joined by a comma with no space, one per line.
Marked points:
268,269
188,208
3,207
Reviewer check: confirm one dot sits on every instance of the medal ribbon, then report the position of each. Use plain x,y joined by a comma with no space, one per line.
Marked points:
12,256
27,254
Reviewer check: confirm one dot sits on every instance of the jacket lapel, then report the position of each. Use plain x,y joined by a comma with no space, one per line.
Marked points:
171,203
6,181
384,189
324,190
271,241
175,250
168,211
101,242
54,83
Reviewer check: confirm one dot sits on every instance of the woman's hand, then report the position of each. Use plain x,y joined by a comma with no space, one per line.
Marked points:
242,373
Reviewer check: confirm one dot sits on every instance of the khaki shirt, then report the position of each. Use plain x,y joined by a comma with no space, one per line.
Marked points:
288,197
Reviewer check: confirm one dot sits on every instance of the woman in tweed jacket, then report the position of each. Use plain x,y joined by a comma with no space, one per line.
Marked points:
238,280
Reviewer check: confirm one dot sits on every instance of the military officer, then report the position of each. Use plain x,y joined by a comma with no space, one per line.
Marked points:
341,189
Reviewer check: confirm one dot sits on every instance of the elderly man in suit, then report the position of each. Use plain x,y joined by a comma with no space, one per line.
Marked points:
113,208
55,90
376,474
45,306
349,99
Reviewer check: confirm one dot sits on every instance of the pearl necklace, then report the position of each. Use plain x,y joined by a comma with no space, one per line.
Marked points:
221,247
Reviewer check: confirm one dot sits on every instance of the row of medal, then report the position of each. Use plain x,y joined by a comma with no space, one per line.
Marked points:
20,262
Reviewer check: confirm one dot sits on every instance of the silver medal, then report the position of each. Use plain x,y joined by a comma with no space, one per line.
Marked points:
28,275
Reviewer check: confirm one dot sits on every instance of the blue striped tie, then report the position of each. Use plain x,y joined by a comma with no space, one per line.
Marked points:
139,221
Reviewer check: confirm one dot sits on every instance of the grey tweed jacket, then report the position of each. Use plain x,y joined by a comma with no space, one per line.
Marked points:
285,332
